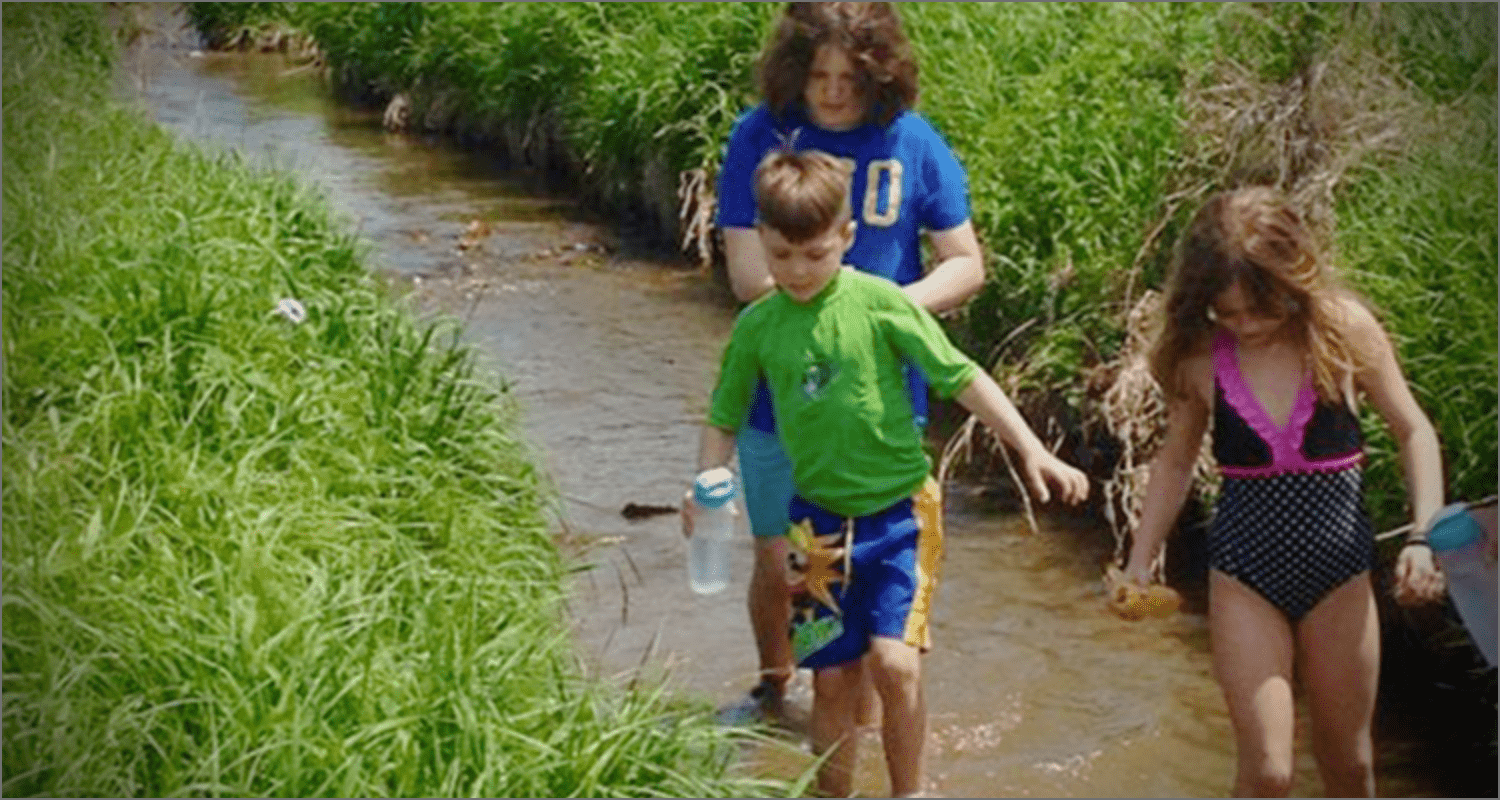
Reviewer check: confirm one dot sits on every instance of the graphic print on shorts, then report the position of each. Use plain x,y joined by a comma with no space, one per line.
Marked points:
817,566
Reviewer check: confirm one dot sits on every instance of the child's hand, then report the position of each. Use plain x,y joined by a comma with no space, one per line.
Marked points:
1133,597
1417,578
1072,485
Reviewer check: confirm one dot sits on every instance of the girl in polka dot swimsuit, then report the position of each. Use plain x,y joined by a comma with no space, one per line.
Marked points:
1261,340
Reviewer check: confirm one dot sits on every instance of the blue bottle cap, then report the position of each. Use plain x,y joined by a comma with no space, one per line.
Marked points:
1453,527
714,488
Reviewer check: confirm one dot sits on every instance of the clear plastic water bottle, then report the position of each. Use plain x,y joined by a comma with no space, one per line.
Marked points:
713,528
1458,544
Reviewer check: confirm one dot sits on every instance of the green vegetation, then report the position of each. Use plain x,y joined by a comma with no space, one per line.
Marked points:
1090,132
249,553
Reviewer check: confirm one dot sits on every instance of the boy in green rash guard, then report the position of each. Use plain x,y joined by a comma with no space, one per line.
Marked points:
831,343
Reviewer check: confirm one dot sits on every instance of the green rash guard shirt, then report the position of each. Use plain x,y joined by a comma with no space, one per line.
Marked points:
834,368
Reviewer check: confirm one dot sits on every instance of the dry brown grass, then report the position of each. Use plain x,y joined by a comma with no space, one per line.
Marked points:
697,203
1304,135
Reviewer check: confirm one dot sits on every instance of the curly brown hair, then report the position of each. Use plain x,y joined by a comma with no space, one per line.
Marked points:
870,33
1254,237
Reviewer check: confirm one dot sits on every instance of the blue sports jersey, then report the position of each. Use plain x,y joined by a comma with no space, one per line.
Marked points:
905,180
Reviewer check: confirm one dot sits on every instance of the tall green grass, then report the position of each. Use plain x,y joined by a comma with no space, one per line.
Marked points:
1065,116
1070,120
1417,234
246,556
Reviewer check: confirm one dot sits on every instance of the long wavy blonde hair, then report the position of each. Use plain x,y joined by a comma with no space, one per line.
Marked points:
1254,237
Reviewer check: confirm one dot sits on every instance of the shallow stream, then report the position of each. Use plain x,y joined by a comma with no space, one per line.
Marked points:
1033,689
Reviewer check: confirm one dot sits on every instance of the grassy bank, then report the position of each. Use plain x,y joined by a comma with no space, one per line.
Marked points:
1090,132
251,552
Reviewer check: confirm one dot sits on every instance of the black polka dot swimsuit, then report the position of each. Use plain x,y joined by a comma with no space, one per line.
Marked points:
1290,522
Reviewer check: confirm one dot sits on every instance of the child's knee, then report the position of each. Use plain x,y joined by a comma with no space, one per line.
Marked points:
1264,776
1272,783
1348,758
769,572
894,663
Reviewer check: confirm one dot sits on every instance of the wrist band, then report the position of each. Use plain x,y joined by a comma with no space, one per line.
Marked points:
1418,541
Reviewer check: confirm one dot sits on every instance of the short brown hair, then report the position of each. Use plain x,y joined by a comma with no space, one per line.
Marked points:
870,33
800,195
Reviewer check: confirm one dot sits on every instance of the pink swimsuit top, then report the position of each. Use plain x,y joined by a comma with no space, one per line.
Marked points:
1318,437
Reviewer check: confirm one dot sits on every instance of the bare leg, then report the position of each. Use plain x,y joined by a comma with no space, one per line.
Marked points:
868,713
835,694
897,668
766,475
1339,642
1253,656
771,609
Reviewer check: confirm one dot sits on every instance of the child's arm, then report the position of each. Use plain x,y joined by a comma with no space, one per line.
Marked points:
745,260
1417,579
715,448
958,272
1167,487
916,334
987,400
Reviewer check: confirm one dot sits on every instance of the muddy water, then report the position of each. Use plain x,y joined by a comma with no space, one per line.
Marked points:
1032,689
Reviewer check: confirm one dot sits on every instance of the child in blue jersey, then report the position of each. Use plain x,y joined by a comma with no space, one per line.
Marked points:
830,344
838,78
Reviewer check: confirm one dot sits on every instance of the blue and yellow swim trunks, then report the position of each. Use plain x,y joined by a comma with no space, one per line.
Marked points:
862,577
